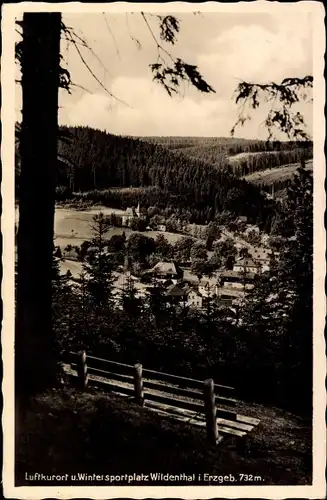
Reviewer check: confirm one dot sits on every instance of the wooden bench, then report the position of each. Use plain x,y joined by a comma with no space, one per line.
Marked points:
195,402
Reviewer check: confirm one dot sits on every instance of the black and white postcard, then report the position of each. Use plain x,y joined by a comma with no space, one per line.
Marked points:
163,250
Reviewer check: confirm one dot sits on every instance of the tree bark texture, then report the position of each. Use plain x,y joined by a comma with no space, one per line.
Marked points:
34,339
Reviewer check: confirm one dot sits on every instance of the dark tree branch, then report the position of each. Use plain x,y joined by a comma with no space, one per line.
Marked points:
97,79
111,33
159,47
171,74
169,28
283,96
76,39
81,87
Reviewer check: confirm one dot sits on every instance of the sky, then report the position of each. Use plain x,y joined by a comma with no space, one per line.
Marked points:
226,47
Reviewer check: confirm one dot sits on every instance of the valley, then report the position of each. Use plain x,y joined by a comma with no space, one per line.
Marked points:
196,178
162,307
189,232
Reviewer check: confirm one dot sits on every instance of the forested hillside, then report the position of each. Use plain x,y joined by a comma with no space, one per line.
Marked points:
229,145
239,156
99,161
244,164
197,175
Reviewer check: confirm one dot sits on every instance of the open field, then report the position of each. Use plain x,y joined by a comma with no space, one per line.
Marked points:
70,265
104,431
269,176
72,226
242,156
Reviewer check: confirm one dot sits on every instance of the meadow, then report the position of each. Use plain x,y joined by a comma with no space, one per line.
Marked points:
72,226
269,176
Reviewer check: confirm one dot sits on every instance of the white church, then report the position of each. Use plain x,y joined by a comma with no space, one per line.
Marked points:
130,214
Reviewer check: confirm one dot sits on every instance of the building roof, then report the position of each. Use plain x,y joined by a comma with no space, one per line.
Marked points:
246,263
230,292
122,278
188,276
164,268
237,274
177,290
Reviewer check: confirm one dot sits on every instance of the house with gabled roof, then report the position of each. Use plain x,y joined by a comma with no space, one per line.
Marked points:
236,279
247,264
232,296
165,271
178,293
262,256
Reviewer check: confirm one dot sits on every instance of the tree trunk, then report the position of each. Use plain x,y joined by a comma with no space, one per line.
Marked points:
34,343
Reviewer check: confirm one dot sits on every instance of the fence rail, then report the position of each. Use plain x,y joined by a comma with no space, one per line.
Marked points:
165,377
163,391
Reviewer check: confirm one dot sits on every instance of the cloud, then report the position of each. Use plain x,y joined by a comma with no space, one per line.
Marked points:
151,111
257,52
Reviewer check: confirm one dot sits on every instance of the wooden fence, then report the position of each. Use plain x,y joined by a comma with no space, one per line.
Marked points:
205,403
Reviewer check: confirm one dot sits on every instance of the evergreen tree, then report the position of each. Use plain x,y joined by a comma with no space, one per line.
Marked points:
131,304
157,302
99,227
99,266
278,313
65,310
163,248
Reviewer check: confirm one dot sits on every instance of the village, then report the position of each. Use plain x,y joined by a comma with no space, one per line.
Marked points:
225,285
182,287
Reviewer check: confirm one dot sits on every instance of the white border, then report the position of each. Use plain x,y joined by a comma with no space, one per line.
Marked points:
318,488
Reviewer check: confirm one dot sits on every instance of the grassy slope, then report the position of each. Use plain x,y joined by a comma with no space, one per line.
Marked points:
68,432
241,156
268,176
72,226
